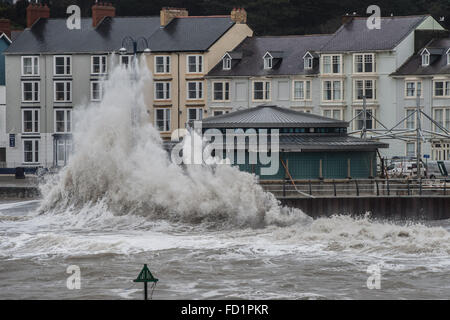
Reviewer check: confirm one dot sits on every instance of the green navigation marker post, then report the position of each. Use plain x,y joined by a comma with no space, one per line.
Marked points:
145,276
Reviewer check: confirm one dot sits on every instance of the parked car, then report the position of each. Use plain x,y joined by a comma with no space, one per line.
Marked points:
403,169
438,169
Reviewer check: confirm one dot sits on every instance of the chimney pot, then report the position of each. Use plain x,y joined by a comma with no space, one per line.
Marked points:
239,15
101,10
36,11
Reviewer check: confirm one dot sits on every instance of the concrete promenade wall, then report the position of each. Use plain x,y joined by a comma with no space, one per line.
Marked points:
395,208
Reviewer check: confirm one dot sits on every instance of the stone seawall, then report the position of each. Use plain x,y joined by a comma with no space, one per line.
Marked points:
396,208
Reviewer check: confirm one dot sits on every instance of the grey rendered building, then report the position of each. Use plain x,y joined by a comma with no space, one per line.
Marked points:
427,74
353,62
51,69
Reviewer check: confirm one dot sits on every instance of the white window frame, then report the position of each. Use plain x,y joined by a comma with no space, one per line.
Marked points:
166,64
308,61
268,61
412,119
224,91
167,119
341,91
331,56
266,97
363,62
66,64
34,143
226,62
34,61
448,56
302,109
130,60
100,89
416,83
332,111
199,89
68,120
67,85
198,113
445,88
167,90
34,122
306,90
101,64
445,113
425,58
33,91
374,89
355,119
223,111
406,148
199,63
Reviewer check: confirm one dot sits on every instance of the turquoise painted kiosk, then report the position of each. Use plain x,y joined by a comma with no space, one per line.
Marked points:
311,146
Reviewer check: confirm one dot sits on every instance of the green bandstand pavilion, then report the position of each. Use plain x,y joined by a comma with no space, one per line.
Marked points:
310,146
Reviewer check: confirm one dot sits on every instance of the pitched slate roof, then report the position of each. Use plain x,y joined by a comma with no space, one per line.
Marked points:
267,116
355,36
295,142
438,65
181,34
253,50
190,34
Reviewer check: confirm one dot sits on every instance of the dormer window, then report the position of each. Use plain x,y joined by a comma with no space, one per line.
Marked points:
308,61
268,61
226,61
425,58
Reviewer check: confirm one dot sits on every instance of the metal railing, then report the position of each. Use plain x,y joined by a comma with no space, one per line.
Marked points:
358,188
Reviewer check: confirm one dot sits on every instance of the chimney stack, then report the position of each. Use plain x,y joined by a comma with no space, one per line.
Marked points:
167,14
101,10
36,11
239,15
5,27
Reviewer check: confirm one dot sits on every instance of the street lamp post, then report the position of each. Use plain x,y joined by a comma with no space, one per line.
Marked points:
134,109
